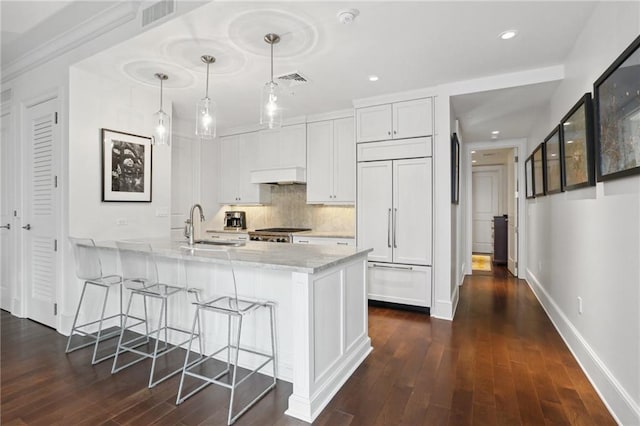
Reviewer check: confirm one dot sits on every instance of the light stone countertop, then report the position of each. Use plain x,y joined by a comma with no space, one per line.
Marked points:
307,259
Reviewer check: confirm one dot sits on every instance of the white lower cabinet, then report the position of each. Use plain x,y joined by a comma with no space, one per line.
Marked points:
324,241
396,283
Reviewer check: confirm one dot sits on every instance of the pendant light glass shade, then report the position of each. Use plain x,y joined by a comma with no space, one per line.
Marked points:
270,100
206,109
271,112
162,121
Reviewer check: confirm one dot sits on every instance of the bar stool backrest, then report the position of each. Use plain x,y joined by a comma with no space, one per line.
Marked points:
88,263
224,255
137,264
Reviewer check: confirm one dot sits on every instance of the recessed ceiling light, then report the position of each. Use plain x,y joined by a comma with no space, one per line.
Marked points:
473,161
570,141
495,132
348,16
509,34
553,155
373,78
473,152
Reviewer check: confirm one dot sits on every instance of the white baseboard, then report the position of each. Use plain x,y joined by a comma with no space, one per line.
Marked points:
620,404
445,309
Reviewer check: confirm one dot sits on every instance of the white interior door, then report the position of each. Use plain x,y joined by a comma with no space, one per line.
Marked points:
40,211
512,212
375,206
411,235
7,230
486,205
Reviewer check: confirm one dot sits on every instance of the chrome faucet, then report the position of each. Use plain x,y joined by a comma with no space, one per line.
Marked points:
191,229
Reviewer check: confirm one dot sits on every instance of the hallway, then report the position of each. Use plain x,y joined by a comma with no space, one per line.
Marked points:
500,362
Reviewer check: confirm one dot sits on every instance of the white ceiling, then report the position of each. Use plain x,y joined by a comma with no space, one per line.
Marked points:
409,45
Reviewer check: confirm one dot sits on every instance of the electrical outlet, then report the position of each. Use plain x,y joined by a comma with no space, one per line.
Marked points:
121,221
580,305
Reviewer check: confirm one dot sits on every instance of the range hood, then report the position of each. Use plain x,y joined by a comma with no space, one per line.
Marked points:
288,175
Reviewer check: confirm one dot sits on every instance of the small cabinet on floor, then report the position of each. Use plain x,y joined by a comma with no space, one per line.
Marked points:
331,162
399,120
237,159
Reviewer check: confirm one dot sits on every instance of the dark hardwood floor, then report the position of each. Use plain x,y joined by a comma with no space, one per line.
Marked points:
500,362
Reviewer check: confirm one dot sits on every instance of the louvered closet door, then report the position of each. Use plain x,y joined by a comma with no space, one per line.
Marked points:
42,141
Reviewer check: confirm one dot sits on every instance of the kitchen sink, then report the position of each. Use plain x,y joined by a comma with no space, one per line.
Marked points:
227,243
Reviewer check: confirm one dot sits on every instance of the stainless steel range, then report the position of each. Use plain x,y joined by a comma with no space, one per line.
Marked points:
275,235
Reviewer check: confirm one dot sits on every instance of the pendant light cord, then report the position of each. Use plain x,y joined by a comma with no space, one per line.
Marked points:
271,61
161,94
206,94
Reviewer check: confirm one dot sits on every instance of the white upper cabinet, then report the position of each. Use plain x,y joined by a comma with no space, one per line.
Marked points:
282,148
374,123
412,119
399,120
331,162
237,159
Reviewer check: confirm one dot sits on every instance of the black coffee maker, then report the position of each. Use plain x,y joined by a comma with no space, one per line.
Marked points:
235,220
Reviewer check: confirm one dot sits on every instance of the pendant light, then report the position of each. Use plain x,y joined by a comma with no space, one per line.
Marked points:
162,121
270,110
206,108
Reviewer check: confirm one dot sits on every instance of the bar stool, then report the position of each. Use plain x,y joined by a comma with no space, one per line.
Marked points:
89,269
140,276
234,308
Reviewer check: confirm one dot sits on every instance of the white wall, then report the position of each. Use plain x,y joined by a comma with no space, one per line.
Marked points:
586,243
127,109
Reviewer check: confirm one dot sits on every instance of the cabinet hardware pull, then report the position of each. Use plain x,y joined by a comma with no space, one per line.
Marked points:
340,243
395,227
404,268
394,132
389,133
242,238
27,226
7,226
389,229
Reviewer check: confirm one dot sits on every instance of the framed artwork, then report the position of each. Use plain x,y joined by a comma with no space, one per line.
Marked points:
126,166
617,116
528,178
539,178
552,163
578,159
455,169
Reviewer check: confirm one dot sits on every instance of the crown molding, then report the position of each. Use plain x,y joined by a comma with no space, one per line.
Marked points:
388,98
111,18
333,115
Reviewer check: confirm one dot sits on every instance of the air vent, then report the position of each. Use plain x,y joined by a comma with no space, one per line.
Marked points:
292,79
6,95
157,11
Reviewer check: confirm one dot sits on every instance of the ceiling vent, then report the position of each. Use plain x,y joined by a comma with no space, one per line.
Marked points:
157,11
292,79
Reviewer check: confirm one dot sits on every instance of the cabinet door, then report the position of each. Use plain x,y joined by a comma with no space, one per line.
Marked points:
319,162
229,169
247,145
268,150
374,209
344,161
374,123
412,119
412,211
293,146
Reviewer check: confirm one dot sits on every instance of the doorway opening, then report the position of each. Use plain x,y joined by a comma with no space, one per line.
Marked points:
493,209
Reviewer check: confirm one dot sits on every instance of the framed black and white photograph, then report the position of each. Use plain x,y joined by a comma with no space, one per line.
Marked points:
617,116
578,157
455,169
552,163
539,178
126,167
528,178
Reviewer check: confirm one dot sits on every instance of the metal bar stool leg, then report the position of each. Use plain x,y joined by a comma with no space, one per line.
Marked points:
75,321
95,348
163,312
124,327
231,418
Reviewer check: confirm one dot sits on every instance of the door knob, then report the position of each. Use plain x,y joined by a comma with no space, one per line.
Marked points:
27,226
7,226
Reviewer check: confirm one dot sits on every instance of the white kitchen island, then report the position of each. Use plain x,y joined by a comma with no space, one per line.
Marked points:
321,313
